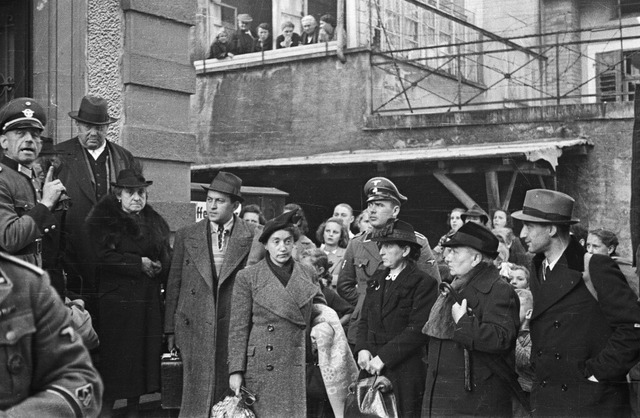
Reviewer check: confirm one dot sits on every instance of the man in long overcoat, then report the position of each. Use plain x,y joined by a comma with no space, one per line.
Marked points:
362,258
585,331
89,164
206,258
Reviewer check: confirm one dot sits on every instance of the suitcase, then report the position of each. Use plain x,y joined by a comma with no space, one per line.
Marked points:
171,380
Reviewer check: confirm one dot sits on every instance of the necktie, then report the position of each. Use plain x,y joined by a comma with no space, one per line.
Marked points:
220,237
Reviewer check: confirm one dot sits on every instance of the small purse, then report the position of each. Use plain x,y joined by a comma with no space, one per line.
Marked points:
171,380
235,406
371,397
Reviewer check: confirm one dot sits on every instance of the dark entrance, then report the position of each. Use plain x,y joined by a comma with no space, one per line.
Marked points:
15,49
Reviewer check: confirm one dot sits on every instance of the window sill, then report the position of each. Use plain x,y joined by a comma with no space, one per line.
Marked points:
258,59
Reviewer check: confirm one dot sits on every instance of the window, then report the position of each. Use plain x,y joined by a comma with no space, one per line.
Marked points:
629,8
617,74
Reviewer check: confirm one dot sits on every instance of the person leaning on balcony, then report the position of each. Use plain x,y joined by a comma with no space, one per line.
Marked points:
221,47
288,38
243,39
310,30
327,28
264,41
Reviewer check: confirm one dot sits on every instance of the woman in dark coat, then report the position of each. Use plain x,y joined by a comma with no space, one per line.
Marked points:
471,362
269,329
131,243
397,304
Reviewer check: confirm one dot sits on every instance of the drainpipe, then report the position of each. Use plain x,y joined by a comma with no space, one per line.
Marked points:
341,32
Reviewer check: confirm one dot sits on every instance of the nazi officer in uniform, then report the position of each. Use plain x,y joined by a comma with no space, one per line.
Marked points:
45,369
25,204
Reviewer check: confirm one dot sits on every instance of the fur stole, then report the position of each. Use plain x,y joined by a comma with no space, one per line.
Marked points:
108,224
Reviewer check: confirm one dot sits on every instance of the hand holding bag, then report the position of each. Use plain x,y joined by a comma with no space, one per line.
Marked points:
371,397
171,379
235,406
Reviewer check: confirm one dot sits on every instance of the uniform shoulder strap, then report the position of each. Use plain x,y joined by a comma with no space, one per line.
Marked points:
587,277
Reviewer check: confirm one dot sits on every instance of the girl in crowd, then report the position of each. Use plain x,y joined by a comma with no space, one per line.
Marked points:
264,41
302,241
288,38
334,236
455,222
253,214
397,304
131,244
501,219
271,310
362,221
221,47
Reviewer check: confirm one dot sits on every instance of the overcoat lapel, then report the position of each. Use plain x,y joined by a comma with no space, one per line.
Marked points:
560,281
284,302
237,249
198,248
79,166
372,249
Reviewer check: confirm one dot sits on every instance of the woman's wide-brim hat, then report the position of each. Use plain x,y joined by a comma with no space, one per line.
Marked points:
286,220
398,231
227,183
93,110
475,236
129,179
546,206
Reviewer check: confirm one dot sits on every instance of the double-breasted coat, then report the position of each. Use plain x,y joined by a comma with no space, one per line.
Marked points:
22,219
268,337
391,327
129,304
490,337
198,312
361,261
575,336
76,175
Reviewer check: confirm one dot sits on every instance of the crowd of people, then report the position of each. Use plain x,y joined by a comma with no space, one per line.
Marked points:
245,40
487,323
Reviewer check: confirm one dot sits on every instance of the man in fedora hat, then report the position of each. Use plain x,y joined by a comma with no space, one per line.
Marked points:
207,256
585,325
472,327
26,205
89,164
243,40
362,257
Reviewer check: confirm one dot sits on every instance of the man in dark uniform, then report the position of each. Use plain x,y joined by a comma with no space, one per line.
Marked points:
25,203
243,40
362,257
585,328
89,165
46,370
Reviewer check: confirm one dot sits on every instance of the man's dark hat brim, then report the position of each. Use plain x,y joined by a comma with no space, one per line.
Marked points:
128,179
536,216
227,183
94,111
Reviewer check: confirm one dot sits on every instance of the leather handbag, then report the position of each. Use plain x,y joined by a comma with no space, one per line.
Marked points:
371,397
315,384
171,380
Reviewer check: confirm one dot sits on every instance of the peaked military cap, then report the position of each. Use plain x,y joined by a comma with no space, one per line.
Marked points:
381,188
22,113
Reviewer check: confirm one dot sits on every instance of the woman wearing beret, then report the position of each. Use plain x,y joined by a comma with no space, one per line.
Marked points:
131,244
269,329
397,304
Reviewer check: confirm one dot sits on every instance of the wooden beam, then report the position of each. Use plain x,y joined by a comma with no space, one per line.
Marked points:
541,180
507,193
493,192
455,190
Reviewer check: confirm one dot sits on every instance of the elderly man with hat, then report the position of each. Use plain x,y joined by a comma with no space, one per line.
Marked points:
89,165
207,256
585,326
243,40
26,205
472,328
362,258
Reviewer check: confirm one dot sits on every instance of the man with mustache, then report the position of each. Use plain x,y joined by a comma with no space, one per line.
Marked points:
89,165
25,203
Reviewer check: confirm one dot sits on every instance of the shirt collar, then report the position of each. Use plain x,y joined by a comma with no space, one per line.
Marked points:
227,226
551,264
95,153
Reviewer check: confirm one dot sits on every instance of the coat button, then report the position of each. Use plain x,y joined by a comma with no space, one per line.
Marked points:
270,328
193,291
53,227
539,353
186,321
15,364
302,326
564,388
269,367
269,347
46,230
11,335
558,356
543,383
556,324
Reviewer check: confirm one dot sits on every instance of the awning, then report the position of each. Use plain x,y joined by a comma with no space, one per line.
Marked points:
548,150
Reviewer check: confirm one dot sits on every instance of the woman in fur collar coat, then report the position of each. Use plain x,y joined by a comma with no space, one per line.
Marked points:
131,244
